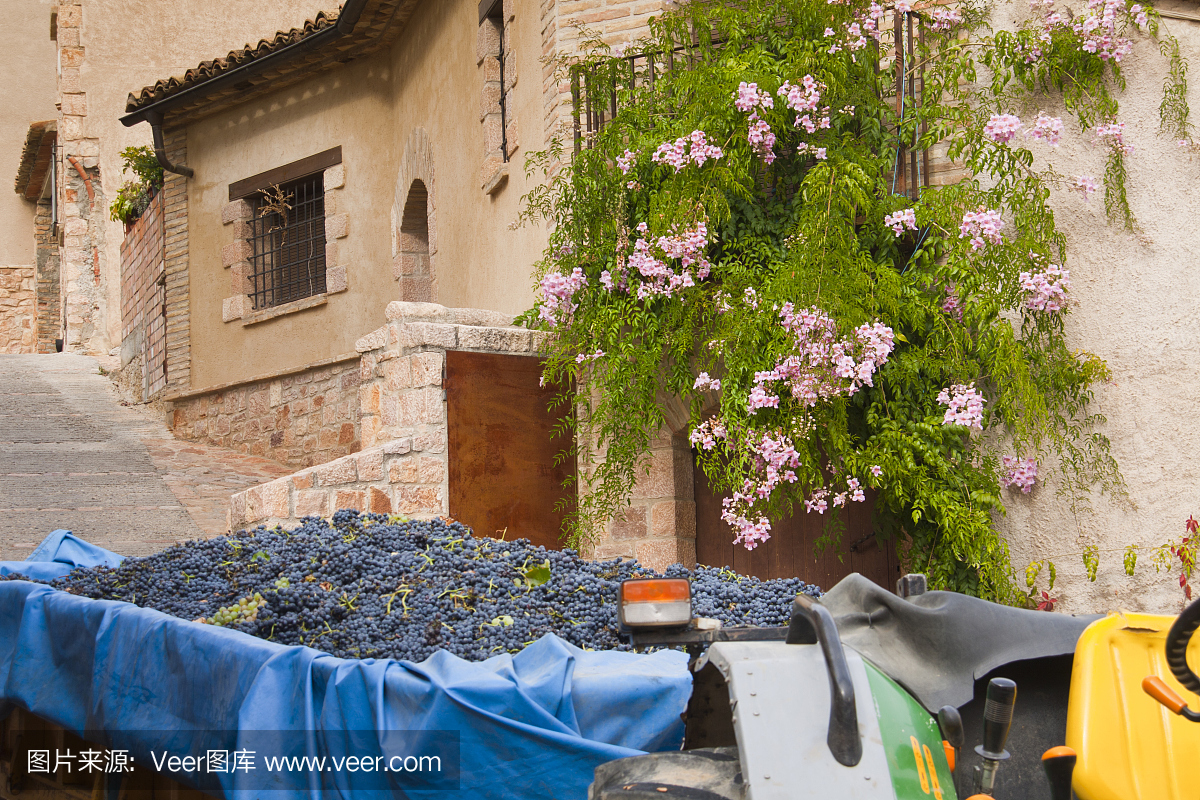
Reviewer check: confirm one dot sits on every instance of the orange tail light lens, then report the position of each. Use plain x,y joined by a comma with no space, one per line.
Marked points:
656,602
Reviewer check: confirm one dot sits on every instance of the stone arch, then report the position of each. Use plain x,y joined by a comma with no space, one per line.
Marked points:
413,270
414,232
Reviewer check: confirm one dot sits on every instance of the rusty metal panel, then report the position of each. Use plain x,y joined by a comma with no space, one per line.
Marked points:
503,479
791,552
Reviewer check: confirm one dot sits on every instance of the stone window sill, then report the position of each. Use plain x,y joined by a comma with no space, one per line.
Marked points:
265,314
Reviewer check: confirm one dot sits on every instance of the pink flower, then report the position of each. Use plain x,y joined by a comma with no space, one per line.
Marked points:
625,162
693,148
901,220
1113,134
1046,290
1021,473
748,97
558,291
965,406
582,357
877,470
761,138
1002,127
952,305
705,382
982,226
1046,128
1085,185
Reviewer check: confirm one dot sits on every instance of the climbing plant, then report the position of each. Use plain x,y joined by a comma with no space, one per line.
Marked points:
134,196
733,236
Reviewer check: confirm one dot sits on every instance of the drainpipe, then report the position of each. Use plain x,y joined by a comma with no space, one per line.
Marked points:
347,20
155,118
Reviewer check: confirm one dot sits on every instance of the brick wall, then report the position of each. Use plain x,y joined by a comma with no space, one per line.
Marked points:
304,418
175,267
18,309
143,326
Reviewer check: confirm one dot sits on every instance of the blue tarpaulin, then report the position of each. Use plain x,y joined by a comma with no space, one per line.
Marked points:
533,725
58,554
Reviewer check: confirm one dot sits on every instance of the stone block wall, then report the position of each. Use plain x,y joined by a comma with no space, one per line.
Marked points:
400,404
49,322
18,309
390,478
143,296
404,464
306,417
659,526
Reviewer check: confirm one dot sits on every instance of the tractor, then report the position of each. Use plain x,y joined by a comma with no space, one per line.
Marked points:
867,694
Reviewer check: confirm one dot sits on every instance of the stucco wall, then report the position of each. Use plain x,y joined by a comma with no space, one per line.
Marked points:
481,261
127,46
28,73
1136,301
347,108
412,112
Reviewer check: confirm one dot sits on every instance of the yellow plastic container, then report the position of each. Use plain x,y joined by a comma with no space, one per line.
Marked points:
1130,747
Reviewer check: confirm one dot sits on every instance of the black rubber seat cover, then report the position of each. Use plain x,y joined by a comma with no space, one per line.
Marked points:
936,644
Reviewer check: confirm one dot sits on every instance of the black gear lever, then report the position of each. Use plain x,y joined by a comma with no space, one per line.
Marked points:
950,723
1059,764
997,721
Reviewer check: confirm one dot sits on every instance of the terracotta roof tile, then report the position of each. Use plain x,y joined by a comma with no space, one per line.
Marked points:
378,26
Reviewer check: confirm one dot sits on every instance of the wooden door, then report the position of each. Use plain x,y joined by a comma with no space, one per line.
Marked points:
503,479
790,552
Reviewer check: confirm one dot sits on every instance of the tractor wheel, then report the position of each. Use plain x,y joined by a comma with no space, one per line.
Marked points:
705,774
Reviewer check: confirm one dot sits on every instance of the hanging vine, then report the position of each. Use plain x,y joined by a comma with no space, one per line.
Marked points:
734,237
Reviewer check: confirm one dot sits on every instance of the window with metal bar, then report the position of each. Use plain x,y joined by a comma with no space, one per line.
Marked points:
288,242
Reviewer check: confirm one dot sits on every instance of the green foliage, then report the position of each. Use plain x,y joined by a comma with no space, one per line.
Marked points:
134,196
810,232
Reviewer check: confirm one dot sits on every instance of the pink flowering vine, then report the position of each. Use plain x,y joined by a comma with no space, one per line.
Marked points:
748,97
943,18
1046,128
703,381
982,226
901,220
761,138
650,258
822,366
1019,472
558,292
1085,185
1002,127
1113,135
965,406
1046,290
693,148
952,305
625,162
706,433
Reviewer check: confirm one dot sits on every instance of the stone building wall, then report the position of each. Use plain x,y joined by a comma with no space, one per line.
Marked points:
49,321
18,309
306,417
659,526
403,467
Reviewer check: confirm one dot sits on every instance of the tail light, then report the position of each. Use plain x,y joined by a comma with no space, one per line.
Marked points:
655,602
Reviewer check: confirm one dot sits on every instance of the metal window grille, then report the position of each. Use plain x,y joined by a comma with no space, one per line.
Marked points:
495,15
288,238
596,94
